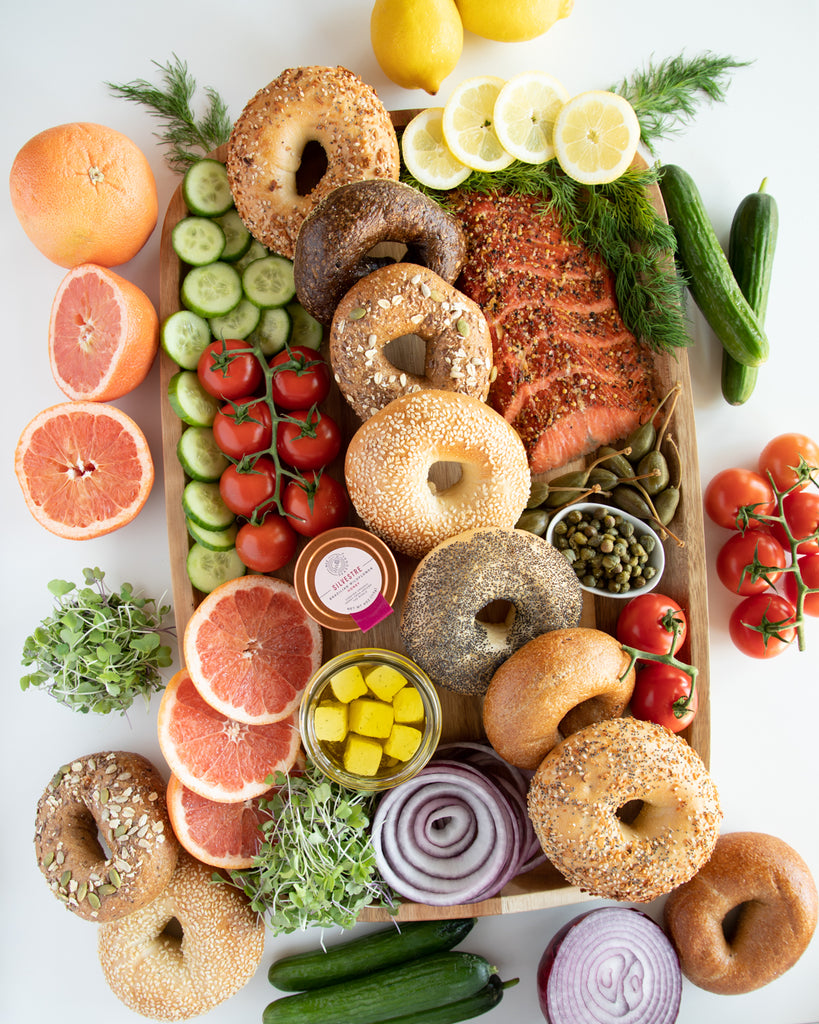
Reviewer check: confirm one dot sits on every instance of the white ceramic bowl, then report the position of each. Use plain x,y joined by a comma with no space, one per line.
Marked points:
656,557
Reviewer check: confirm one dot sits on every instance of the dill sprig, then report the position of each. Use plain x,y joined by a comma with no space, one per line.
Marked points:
665,95
619,223
189,138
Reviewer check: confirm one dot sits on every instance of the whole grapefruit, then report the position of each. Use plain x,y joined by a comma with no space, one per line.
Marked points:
84,193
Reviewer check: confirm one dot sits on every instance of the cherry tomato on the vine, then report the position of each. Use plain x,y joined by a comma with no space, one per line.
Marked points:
312,442
809,571
658,690
227,369
306,383
801,510
244,427
640,624
733,488
244,490
320,504
268,545
780,457
736,558
758,610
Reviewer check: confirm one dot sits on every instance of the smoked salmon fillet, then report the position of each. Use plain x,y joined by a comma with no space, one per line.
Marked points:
570,376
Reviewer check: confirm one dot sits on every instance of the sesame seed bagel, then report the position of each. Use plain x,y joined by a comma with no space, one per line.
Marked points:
575,794
776,893
329,106
120,796
389,457
553,685
460,577
166,977
406,299
337,236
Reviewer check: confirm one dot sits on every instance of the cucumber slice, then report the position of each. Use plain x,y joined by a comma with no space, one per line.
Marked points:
273,332
185,336
269,281
238,323
306,330
208,569
205,188
198,240
213,540
237,237
200,455
256,252
202,504
212,290
189,400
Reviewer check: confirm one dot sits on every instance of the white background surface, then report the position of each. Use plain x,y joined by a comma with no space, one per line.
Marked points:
56,58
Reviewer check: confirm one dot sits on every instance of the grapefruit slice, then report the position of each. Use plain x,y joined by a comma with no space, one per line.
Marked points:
222,835
216,756
250,649
103,335
85,469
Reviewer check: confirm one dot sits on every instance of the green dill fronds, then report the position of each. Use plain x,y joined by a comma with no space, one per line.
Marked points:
189,138
665,95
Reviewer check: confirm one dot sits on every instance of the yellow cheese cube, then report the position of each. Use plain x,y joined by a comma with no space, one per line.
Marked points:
330,721
402,742
362,755
370,717
408,706
348,683
384,681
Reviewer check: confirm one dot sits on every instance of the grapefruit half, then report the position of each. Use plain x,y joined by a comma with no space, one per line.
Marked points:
85,469
103,335
250,649
216,756
222,835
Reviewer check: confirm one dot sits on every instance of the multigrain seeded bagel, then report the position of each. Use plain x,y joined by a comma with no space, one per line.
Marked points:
340,231
120,796
407,299
390,455
776,895
329,106
581,784
158,973
555,684
460,577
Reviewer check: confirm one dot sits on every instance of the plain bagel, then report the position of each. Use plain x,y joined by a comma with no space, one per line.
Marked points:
776,895
390,455
581,785
450,586
340,231
404,299
554,685
329,106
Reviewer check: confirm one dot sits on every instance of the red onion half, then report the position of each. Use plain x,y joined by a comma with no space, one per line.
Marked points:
610,966
455,833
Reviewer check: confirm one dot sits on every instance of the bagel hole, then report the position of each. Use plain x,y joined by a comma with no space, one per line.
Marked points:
407,353
173,930
443,475
629,811
496,612
312,168
731,921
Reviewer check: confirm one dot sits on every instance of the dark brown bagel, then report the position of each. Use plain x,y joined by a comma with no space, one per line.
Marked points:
340,231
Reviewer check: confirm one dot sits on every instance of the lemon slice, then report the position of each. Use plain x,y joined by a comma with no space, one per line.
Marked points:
468,124
596,136
427,156
525,113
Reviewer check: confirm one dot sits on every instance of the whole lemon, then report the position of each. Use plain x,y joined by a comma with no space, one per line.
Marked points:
511,21
416,42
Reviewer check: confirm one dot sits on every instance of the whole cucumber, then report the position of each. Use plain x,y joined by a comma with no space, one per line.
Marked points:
710,280
303,972
751,245
484,1000
423,984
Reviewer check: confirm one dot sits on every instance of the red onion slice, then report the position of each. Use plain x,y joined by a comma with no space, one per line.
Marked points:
610,966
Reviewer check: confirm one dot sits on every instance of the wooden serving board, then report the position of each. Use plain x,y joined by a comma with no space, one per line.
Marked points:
684,580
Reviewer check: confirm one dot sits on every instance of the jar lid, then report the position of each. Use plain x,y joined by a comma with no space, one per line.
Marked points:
346,579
